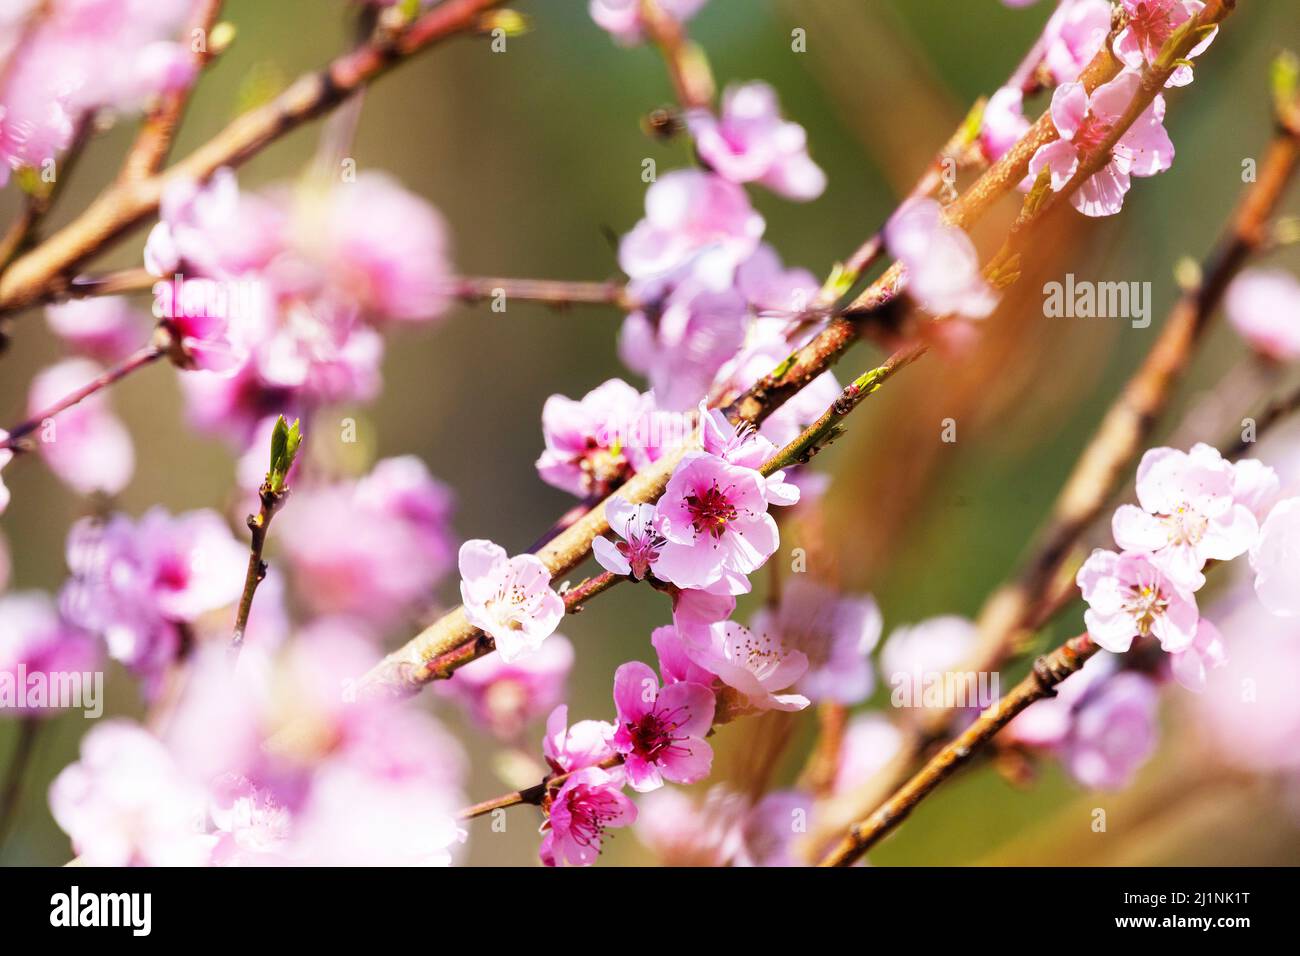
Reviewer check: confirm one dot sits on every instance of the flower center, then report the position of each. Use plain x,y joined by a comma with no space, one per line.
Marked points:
710,511
653,735
1092,134
1185,526
1145,604
1153,22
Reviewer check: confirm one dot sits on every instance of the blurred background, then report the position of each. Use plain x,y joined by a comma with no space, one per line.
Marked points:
534,157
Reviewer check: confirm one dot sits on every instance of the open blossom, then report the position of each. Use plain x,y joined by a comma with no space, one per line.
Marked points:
1262,304
1003,123
623,20
34,639
943,267
695,219
1084,123
127,803
714,520
747,447
1276,559
137,584
105,328
1208,651
1188,515
1074,35
588,803
87,446
1129,596
661,730
505,697
681,344
585,744
760,668
597,442
750,142
511,599
638,550
1150,25
835,633
374,548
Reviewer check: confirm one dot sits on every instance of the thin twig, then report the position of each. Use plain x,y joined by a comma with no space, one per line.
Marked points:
269,502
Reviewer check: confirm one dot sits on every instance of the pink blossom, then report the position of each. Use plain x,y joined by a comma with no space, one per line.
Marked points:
622,18
1075,34
1003,123
588,803
746,447
594,444
773,828
683,832
104,328
1188,514
714,519
1261,305
213,229
509,598
1256,486
1129,596
139,583
943,267
682,343
1207,652
750,142
759,667
1084,123
1150,25
637,526
86,446
771,288
504,698
934,646
661,731
835,633
126,802
249,825
1275,558
587,743
35,640
374,548
1114,732
675,663
693,219
870,742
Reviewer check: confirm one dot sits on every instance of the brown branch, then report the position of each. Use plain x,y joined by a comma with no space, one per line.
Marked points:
127,204
688,68
269,502
550,292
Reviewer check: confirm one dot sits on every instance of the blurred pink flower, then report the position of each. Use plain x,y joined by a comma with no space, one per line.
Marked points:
509,598
773,828
1075,33
943,267
1275,558
1261,305
622,18
504,698
1113,732
86,446
934,646
5,457
1084,122
661,730
1003,123
34,640
836,633
682,832
750,142
870,742
1129,596
770,288
105,328
1150,25
588,803
1207,652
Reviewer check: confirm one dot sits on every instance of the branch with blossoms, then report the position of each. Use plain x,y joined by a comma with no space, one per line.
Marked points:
276,304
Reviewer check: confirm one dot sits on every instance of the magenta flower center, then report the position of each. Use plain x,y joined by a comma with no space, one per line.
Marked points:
710,510
654,734
589,813
1092,134
1154,23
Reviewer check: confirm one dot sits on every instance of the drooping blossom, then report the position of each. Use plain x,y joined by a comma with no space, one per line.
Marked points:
1188,513
509,598
759,668
1150,24
1208,651
597,442
1075,34
86,446
750,142
503,698
104,328
661,730
682,342
1275,558
35,640
1085,122
373,548
1129,596
836,633
127,803
586,743
943,267
713,517
141,584
693,219
589,802
637,527
623,18
1003,123
1262,304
